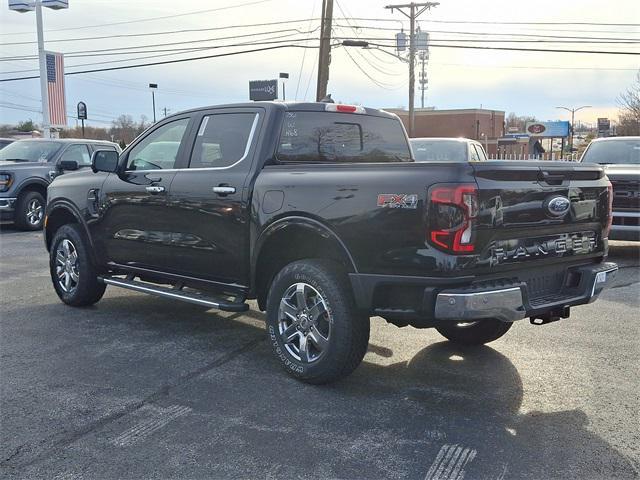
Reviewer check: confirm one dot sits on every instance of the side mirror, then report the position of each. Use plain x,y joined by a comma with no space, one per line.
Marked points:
68,165
104,161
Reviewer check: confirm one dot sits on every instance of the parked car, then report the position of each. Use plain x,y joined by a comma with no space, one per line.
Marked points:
447,150
620,157
5,141
319,213
28,166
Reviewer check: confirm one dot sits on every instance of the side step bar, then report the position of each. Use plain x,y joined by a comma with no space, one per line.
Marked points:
177,294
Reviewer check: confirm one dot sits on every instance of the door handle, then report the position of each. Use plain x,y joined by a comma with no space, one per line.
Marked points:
154,189
224,190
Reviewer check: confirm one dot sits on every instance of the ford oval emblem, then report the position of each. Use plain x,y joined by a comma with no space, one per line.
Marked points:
558,206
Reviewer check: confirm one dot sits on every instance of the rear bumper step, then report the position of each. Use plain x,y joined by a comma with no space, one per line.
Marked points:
177,294
510,304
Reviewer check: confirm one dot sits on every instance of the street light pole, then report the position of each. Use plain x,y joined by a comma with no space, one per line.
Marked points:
153,87
29,6
573,115
42,59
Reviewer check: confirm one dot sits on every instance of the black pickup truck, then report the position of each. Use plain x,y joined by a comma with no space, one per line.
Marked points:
319,212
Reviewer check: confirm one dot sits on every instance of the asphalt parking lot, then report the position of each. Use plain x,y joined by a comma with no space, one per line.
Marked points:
140,387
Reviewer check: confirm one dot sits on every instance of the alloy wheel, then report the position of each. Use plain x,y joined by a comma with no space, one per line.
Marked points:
304,322
35,212
67,266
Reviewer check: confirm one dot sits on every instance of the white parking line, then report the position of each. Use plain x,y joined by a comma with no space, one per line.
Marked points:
147,427
450,462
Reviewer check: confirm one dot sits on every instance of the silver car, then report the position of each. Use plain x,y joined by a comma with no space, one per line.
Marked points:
447,150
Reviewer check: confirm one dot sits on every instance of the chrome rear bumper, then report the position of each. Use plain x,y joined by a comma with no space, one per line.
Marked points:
511,303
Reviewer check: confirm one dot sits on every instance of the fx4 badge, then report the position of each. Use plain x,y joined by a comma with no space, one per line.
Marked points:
398,200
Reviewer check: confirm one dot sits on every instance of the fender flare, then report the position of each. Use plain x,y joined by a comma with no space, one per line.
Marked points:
311,224
62,204
31,181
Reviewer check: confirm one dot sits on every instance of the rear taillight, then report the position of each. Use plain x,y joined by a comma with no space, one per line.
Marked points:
452,213
607,228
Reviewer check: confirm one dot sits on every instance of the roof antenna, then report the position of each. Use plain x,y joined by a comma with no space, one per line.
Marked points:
327,99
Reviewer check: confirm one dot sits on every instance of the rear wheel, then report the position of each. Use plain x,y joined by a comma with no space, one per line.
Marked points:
476,332
73,274
29,213
314,327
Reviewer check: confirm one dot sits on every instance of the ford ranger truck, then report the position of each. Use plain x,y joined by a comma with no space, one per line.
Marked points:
319,213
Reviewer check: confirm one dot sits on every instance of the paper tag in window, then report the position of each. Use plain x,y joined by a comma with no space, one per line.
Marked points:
203,126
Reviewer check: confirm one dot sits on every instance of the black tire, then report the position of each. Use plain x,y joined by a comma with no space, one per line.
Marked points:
85,289
478,332
29,212
346,329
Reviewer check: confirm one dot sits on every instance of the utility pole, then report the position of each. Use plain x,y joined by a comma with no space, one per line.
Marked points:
324,56
415,10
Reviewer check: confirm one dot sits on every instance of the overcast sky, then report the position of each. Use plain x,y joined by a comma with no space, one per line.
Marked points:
530,83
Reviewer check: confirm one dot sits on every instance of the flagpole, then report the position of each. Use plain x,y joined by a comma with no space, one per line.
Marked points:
46,125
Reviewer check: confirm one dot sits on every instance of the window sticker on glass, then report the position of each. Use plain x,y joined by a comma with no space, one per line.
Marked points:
203,126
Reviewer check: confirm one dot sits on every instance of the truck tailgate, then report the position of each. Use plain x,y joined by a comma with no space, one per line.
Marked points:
535,211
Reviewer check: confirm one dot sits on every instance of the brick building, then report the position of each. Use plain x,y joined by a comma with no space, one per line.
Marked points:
475,123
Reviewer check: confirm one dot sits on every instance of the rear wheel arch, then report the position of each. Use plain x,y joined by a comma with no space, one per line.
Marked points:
291,239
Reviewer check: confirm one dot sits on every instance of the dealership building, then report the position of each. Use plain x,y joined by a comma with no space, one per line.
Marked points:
481,124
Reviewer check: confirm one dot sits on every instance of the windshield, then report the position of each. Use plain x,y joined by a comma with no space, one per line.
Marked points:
29,151
613,151
439,150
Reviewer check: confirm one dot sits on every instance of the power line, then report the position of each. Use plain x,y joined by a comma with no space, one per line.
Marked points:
170,32
304,53
467,32
517,49
497,34
363,57
151,19
533,67
376,82
167,62
498,22
79,53
188,50
193,30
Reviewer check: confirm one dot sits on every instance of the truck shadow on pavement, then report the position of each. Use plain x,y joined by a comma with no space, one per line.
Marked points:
448,410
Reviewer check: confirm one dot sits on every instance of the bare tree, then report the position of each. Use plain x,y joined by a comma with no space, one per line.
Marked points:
629,117
518,121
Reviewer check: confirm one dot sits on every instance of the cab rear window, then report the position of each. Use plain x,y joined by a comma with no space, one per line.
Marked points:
326,137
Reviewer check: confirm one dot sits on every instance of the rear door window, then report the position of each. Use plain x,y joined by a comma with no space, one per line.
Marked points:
222,140
326,137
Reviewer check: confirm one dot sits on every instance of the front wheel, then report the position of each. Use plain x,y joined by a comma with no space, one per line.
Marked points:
73,274
314,327
476,332
29,213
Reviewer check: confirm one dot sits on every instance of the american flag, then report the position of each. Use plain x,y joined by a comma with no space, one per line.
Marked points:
55,89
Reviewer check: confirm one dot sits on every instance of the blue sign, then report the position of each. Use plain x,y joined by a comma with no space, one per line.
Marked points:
548,129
